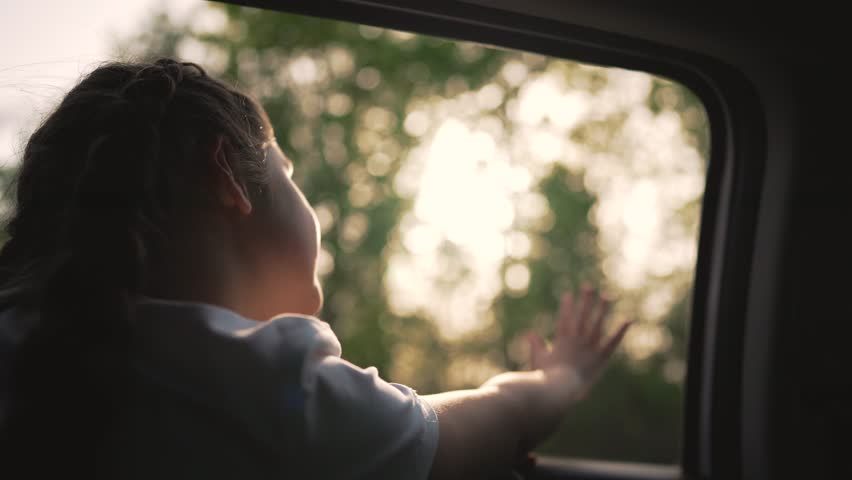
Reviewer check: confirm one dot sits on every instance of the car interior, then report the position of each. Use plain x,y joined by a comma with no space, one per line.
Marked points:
766,392
765,388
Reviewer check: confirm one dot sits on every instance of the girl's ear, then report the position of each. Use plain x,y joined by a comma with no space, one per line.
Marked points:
229,190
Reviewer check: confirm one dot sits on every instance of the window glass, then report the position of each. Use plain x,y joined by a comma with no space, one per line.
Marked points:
460,189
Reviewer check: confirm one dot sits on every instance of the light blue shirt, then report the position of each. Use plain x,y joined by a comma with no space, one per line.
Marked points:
229,397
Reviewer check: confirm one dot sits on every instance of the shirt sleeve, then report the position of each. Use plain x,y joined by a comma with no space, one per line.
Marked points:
364,427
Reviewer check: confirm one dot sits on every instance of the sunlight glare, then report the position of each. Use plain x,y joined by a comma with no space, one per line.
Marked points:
303,70
517,277
473,178
514,72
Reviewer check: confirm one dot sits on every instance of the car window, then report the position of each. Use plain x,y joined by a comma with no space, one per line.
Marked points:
461,188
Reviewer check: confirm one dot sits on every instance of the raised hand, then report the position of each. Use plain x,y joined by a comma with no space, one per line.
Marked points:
497,424
580,349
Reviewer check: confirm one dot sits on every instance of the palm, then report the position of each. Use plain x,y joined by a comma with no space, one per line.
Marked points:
579,343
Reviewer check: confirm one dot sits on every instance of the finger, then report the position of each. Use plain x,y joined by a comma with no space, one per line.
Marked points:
537,349
604,307
582,320
613,342
564,325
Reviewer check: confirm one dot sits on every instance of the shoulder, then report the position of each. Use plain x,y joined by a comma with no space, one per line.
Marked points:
246,369
221,335
303,332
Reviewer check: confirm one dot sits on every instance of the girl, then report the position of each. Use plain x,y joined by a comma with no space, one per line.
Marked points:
156,239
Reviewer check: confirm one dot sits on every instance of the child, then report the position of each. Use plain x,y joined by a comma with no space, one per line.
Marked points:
156,239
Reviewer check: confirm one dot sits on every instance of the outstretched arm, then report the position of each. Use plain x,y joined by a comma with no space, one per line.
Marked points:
482,431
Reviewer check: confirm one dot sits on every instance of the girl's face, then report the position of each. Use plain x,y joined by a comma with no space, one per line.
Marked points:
288,237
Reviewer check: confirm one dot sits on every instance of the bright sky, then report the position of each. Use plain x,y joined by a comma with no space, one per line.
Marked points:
45,45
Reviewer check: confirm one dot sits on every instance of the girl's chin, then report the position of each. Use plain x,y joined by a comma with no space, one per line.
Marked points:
311,301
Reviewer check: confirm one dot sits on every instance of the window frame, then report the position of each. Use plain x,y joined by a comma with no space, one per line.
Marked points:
711,438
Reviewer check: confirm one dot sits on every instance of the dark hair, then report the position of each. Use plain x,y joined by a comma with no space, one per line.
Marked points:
96,186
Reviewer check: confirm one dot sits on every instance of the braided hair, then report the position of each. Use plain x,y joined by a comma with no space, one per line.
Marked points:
97,185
